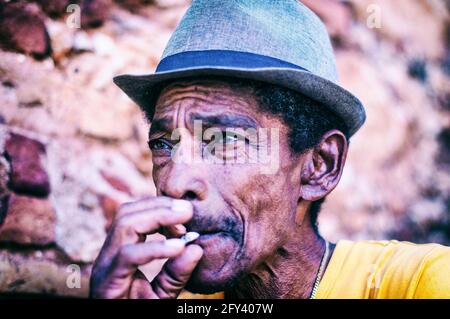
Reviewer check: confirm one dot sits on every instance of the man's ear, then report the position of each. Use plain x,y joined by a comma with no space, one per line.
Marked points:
323,166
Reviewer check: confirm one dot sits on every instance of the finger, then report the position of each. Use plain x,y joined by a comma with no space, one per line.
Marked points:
112,278
132,256
173,231
176,273
132,228
151,203
128,228
144,204
141,288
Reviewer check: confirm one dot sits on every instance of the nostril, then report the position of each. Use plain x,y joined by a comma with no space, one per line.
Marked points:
189,195
163,193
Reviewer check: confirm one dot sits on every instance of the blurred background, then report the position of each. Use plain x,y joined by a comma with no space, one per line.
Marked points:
73,146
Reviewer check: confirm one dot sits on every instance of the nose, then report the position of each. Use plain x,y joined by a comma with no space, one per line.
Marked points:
185,182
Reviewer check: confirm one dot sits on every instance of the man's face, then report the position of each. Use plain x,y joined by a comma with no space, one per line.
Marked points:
242,213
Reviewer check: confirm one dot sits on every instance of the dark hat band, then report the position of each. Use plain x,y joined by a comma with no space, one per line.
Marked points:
221,58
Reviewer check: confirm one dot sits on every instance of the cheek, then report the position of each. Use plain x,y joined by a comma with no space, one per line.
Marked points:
160,173
269,211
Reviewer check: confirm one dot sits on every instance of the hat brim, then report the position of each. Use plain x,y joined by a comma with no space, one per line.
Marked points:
144,89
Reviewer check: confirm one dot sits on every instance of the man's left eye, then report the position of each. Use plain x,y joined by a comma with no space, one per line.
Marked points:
159,144
230,138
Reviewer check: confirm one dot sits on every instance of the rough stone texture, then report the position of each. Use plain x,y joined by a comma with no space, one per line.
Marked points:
133,5
79,184
54,8
401,24
62,40
41,272
94,12
4,199
407,197
396,182
28,221
22,29
28,174
4,175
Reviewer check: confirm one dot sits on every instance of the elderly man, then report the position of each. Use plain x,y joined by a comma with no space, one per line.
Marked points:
239,80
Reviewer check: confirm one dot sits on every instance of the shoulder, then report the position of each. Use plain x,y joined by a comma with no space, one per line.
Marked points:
393,269
433,280
414,270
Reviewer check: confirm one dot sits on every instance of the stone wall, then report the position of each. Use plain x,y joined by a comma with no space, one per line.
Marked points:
73,147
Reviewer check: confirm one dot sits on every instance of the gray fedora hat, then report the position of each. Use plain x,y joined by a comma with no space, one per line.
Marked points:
280,42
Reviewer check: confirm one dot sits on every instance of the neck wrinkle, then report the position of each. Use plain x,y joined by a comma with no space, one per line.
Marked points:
289,274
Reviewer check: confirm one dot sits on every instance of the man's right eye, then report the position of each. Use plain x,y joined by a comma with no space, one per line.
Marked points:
159,144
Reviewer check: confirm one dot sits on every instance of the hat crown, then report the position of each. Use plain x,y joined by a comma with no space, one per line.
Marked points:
282,29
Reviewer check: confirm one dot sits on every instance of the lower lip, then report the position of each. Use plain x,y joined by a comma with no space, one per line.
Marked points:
209,237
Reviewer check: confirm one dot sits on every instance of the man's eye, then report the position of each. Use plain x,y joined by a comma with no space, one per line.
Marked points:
231,138
159,144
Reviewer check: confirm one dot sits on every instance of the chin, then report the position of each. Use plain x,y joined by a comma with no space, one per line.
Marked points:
210,277
204,281
219,267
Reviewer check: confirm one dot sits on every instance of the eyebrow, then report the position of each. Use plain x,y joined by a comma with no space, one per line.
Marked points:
224,120
160,125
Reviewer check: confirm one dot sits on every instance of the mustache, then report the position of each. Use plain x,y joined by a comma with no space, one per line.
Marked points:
205,224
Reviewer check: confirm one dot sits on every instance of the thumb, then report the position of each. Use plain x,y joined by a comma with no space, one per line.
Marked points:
176,273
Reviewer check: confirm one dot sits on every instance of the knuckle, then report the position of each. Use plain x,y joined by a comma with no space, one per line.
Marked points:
122,229
122,223
124,206
125,253
123,209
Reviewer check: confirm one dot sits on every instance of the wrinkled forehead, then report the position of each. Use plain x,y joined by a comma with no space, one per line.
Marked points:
205,95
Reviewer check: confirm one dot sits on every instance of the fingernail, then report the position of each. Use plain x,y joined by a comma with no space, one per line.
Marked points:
181,206
180,229
175,243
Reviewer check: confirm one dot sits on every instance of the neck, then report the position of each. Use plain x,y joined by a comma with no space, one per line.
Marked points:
290,273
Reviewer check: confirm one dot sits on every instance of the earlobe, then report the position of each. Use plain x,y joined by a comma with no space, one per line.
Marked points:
323,166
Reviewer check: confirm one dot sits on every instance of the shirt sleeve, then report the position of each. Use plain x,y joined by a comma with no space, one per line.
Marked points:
434,280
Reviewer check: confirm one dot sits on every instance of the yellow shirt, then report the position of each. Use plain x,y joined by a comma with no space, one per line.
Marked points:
386,269
381,269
